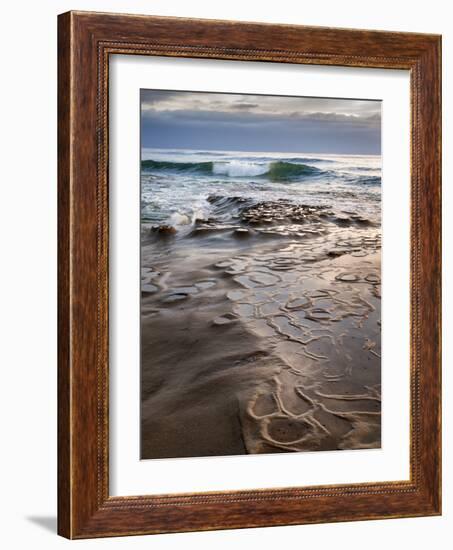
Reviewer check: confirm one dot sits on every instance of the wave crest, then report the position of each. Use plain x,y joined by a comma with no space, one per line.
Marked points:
275,171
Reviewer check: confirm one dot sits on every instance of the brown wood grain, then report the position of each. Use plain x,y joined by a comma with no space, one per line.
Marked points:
64,368
86,40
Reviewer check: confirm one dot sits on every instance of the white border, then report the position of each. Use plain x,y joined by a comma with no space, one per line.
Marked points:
128,474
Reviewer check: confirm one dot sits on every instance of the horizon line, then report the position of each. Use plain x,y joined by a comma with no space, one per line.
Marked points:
245,151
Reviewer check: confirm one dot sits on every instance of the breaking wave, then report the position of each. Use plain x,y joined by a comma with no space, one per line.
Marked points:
276,171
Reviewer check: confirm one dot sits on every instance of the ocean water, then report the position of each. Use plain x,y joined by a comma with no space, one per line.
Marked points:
179,187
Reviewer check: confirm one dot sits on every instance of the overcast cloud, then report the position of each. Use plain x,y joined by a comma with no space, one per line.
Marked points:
213,121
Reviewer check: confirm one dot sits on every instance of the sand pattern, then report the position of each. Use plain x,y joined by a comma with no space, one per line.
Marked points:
314,322
272,347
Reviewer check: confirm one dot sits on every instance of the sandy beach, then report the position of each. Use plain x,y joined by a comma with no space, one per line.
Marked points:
261,334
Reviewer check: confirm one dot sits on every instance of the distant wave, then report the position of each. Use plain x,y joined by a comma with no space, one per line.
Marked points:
309,159
276,170
199,167
367,180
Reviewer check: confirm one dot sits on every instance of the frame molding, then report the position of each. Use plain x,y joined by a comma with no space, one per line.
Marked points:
85,42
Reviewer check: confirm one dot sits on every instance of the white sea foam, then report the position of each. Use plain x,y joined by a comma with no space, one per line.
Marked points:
185,220
240,168
180,219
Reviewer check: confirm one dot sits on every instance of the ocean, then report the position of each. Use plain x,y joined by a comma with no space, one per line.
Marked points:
182,186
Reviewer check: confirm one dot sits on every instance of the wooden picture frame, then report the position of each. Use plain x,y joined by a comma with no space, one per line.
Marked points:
85,42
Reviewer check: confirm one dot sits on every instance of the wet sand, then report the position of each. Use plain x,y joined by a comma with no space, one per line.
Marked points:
261,336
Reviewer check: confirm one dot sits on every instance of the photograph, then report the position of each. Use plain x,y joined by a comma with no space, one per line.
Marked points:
260,228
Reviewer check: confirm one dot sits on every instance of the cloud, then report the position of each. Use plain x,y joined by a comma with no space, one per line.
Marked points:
245,116
259,122
153,97
355,119
162,100
245,106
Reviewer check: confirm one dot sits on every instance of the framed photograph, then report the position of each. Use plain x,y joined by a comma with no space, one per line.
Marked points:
249,275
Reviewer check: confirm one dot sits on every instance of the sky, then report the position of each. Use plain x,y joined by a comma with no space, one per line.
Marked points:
239,122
